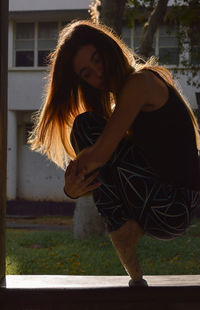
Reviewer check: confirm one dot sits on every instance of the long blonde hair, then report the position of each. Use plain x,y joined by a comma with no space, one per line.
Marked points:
67,95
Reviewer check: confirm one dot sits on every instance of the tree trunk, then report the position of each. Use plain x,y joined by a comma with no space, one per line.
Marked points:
112,14
86,221
154,21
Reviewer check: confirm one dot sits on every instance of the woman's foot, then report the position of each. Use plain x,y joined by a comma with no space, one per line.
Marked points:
141,282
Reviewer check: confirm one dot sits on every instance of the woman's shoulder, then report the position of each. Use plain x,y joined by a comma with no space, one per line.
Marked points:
137,81
135,87
148,85
145,79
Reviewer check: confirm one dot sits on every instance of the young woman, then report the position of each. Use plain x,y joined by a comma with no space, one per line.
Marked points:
132,138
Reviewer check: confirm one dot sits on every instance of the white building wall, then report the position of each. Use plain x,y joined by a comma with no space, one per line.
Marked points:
12,156
187,90
30,176
47,5
38,178
25,89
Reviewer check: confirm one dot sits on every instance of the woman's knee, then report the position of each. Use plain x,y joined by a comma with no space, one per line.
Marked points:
86,129
128,232
86,119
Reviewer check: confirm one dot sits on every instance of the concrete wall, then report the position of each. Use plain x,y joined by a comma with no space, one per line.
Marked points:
25,89
30,176
37,177
187,90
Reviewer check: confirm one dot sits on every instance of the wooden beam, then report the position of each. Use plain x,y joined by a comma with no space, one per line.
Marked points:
3,126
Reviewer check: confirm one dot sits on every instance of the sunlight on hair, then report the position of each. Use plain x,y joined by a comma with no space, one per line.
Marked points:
65,96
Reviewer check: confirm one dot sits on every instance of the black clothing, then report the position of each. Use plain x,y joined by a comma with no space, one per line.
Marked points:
166,137
130,188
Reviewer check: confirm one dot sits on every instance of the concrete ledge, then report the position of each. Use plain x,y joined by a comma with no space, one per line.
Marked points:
99,292
72,282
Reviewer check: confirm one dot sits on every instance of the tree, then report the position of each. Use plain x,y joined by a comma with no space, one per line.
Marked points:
154,21
111,13
184,13
86,221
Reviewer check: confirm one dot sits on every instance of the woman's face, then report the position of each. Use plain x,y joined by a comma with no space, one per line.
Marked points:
88,65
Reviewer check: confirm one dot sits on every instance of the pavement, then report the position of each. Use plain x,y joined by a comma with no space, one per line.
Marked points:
27,226
20,212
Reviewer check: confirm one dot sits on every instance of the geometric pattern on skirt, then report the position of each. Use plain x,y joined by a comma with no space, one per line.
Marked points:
130,188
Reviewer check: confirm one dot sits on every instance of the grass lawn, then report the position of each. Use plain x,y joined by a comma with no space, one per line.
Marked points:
52,252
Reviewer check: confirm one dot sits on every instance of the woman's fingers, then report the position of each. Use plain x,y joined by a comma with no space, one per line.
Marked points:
74,168
86,186
91,178
92,187
76,184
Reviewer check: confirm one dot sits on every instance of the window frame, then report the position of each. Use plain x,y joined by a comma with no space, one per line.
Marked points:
166,47
60,24
14,44
157,47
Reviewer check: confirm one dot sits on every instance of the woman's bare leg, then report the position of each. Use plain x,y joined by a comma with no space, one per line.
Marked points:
125,240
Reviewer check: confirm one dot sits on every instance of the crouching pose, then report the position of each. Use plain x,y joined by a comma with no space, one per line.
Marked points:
132,138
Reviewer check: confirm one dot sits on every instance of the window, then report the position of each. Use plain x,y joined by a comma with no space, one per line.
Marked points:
195,55
168,46
33,42
138,36
165,42
24,44
47,36
198,107
194,44
127,36
132,37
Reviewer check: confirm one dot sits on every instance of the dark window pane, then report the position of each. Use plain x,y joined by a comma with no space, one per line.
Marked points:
198,105
195,55
126,35
48,30
24,58
42,58
169,56
24,31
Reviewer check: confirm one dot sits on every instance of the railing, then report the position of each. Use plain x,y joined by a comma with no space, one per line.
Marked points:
3,126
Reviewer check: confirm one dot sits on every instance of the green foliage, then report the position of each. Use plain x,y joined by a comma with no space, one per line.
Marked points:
50,252
184,15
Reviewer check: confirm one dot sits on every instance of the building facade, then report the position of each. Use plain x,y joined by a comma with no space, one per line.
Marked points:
33,30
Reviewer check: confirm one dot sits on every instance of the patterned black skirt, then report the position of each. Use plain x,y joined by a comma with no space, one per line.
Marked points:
130,188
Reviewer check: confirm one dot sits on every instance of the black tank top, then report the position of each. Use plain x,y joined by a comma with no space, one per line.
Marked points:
167,138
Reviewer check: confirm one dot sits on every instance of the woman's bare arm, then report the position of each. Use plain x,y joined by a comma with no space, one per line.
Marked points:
132,98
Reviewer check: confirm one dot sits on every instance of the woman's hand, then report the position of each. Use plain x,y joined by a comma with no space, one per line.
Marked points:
76,184
89,160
